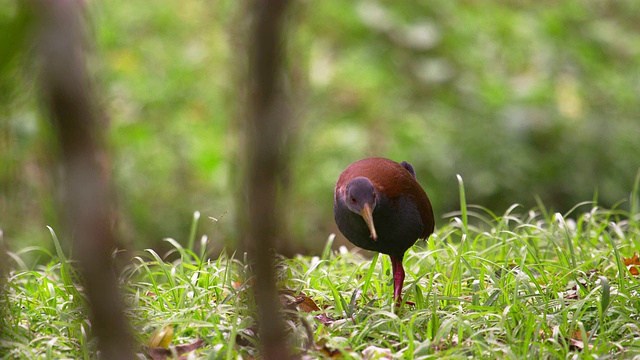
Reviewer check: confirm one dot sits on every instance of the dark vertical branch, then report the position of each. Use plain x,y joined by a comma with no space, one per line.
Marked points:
266,133
68,98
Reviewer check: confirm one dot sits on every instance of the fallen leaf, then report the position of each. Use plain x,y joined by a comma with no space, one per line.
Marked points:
322,347
575,341
331,354
634,260
161,338
158,353
307,304
324,319
578,335
289,301
302,302
374,352
578,344
632,264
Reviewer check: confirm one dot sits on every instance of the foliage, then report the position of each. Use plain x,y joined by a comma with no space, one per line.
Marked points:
523,99
526,284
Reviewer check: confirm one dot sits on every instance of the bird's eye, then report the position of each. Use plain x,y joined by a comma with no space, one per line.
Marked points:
353,200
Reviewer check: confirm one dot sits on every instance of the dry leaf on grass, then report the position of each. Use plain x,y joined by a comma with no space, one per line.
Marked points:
632,264
158,353
575,341
578,344
327,352
161,338
302,302
374,352
308,305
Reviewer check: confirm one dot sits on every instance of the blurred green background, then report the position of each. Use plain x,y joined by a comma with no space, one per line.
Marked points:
521,98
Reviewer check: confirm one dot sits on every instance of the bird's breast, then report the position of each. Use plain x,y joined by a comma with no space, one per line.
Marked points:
397,222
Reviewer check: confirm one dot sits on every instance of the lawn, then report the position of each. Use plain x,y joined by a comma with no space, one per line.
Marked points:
524,284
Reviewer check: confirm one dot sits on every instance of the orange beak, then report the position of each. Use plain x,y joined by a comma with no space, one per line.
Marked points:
367,214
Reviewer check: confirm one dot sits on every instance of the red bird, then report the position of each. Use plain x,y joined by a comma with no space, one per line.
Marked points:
378,205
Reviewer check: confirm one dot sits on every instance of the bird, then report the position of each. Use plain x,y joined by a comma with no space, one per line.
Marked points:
379,205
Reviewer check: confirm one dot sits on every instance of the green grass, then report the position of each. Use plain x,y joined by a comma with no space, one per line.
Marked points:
525,284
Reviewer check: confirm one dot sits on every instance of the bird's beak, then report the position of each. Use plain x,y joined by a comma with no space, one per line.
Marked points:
367,214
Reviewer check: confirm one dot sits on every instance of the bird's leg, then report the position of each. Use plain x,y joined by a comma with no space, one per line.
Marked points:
398,279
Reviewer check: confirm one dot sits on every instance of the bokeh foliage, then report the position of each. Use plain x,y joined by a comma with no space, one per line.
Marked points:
522,98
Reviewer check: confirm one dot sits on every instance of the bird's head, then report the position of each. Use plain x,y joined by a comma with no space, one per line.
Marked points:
360,196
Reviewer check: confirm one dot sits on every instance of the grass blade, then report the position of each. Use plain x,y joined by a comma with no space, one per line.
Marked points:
192,230
369,274
326,253
463,205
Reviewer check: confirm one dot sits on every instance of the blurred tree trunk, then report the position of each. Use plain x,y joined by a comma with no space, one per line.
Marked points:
68,97
266,133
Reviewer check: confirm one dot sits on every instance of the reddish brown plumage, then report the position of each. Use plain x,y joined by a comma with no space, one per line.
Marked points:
392,179
379,206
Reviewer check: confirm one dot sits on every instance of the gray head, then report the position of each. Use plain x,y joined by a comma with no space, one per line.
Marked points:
360,197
